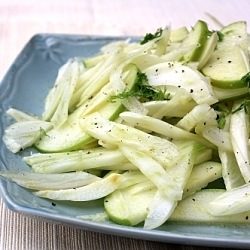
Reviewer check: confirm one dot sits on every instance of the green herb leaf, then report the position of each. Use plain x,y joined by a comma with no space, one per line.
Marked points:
220,36
150,36
244,105
143,91
246,79
224,111
221,120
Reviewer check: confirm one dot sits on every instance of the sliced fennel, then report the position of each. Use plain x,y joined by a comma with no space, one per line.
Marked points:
153,171
159,211
76,161
178,106
204,154
195,209
230,202
200,113
118,134
101,77
218,137
162,205
20,116
202,175
129,205
161,127
23,134
239,132
230,170
58,100
70,135
93,191
179,75
50,181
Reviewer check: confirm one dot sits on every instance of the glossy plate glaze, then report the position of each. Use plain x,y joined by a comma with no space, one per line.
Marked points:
24,87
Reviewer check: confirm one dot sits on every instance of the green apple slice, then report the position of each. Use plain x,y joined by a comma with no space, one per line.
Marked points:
197,37
70,135
230,61
226,67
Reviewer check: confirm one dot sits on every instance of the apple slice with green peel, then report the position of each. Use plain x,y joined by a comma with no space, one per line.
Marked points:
129,206
229,63
230,94
196,38
70,135
226,67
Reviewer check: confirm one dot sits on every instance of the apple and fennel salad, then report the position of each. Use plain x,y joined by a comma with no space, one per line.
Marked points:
147,126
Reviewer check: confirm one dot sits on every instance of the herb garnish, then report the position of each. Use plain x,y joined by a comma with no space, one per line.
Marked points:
246,79
223,112
143,91
220,36
150,36
221,121
224,109
244,105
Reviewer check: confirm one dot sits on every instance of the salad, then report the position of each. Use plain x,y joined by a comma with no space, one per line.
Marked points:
148,127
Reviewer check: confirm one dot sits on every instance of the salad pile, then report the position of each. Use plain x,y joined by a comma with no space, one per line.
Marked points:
147,126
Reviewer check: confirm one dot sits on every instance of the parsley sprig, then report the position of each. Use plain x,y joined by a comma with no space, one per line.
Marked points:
143,91
150,36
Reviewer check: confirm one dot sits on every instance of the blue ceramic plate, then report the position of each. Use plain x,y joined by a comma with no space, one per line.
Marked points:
25,87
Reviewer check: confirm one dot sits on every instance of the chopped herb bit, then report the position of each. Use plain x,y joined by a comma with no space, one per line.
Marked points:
223,113
221,121
220,36
150,36
143,91
246,79
244,105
